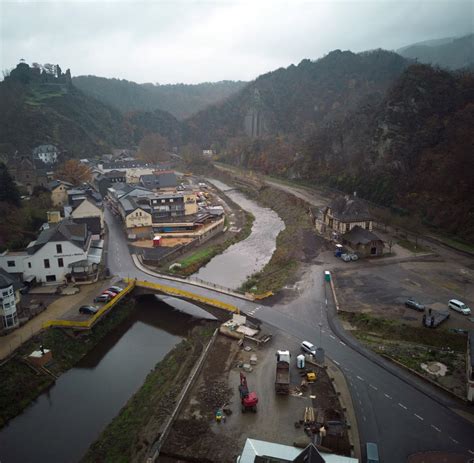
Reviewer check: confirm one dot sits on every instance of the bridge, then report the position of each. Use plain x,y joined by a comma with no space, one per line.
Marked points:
146,287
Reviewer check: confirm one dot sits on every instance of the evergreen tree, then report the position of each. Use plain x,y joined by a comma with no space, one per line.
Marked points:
8,190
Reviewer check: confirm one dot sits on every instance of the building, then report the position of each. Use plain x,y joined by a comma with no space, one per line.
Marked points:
258,451
88,212
29,172
50,259
9,300
364,242
105,180
59,190
48,154
165,180
346,212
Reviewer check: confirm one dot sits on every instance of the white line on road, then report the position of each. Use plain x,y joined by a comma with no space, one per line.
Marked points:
374,387
331,336
419,417
363,416
336,362
386,395
358,377
360,402
403,406
343,343
454,440
471,452
435,428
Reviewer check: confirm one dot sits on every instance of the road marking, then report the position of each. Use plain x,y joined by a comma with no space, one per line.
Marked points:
358,377
403,406
386,395
374,387
336,362
363,416
331,336
419,417
360,402
471,452
435,428
343,343
454,440
322,331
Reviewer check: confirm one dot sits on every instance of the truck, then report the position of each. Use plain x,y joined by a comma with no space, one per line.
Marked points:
282,378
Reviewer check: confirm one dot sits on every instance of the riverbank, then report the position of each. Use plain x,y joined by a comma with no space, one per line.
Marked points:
134,430
21,384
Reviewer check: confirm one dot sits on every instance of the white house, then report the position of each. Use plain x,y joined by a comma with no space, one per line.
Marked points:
50,258
47,153
9,298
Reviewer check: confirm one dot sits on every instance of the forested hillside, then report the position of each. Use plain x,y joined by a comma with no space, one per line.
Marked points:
411,150
40,107
454,53
181,100
299,98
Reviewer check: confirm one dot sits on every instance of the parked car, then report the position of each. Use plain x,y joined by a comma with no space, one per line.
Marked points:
412,304
88,309
306,346
112,294
372,452
102,298
459,306
116,289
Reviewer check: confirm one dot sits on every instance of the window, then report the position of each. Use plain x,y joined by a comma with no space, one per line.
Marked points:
367,225
59,248
11,263
162,201
50,277
46,263
60,262
348,227
29,264
171,200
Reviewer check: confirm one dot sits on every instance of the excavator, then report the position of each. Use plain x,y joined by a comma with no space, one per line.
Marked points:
248,399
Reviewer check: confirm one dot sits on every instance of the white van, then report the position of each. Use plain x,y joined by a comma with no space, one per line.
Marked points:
306,346
459,306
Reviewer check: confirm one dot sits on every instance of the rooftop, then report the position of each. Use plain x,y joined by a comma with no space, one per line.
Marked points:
350,209
359,235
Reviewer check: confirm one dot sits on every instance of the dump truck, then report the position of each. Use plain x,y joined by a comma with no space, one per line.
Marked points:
282,378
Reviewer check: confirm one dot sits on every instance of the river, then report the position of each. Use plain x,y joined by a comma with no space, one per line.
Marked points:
64,421
239,261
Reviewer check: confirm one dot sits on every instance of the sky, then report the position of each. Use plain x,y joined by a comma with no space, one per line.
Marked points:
206,41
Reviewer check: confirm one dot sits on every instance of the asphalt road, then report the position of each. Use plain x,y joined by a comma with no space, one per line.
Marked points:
399,412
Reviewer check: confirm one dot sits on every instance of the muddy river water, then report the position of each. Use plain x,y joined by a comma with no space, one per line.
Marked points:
239,261
65,420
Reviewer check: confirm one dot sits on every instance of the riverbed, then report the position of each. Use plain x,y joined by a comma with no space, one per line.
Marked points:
241,260
64,421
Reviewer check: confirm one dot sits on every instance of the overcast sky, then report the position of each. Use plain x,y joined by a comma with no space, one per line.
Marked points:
197,41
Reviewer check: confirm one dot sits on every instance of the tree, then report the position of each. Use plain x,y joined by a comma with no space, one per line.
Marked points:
74,172
8,189
153,148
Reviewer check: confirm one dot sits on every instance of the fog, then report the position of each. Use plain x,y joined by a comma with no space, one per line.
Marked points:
190,42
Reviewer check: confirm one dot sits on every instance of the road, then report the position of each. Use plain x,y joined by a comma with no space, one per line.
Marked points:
399,412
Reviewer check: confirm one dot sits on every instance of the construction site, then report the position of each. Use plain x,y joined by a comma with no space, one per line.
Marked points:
255,383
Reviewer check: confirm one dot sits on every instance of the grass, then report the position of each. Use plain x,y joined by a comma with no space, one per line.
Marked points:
412,247
21,384
130,434
458,244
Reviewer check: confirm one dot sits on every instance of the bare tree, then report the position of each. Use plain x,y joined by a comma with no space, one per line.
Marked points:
153,148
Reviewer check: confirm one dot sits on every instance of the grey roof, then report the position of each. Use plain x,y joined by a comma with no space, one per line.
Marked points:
359,235
309,455
66,230
6,280
55,183
123,189
130,203
115,173
45,149
350,209
93,224
159,180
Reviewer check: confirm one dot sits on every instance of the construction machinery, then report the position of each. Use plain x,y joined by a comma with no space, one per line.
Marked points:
248,399
282,377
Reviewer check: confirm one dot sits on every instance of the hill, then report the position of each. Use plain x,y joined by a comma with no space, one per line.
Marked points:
181,100
298,98
42,107
449,53
410,150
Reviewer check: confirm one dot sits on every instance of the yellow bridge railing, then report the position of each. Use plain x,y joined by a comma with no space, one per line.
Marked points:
87,324
171,291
